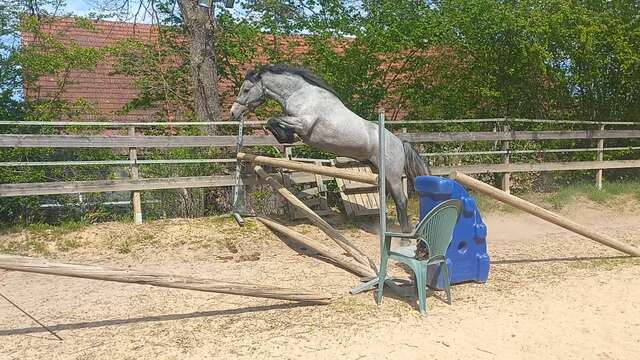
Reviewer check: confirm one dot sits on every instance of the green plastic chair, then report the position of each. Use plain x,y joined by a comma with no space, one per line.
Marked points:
436,232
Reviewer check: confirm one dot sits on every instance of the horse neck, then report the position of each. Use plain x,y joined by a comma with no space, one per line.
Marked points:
280,87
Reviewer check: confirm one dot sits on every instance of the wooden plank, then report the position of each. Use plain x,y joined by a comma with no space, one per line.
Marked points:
297,214
550,166
337,237
74,187
97,141
365,201
519,135
114,124
261,123
319,248
322,190
359,199
358,186
130,276
310,168
347,205
544,214
115,162
532,151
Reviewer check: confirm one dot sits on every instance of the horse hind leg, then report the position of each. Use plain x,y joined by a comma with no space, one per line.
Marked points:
397,192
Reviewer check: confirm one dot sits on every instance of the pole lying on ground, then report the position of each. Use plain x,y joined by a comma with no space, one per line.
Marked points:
543,213
345,244
27,264
367,178
345,262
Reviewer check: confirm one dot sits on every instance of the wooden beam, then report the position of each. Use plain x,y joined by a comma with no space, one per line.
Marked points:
104,273
544,213
74,187
338,238
101,141
310,168
519,135
317,247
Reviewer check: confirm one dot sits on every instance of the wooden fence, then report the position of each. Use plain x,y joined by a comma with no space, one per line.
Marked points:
133,141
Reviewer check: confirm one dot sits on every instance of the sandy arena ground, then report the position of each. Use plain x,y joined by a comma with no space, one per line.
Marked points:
550,295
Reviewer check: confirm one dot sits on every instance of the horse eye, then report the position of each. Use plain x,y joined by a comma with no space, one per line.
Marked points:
245,90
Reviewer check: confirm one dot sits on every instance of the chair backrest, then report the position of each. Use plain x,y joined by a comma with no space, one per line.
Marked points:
436,228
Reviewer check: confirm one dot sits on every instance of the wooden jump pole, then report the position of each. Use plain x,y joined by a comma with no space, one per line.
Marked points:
367,178
345,262
27,264
345,244
543,213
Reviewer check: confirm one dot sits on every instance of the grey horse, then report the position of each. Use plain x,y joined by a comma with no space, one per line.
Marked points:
315,113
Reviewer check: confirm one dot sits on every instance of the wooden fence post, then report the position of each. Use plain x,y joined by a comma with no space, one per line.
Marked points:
600,158
506,159
135,198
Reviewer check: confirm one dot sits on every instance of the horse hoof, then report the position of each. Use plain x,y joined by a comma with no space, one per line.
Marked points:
283,135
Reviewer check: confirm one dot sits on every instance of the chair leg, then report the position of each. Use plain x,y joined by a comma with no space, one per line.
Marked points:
447,284
421,284
382,276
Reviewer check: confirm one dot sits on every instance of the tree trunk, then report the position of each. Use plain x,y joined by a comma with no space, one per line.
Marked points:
200,28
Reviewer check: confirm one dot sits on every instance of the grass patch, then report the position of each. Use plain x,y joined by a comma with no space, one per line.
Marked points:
610,192
37,246
124,247
68,244
47,230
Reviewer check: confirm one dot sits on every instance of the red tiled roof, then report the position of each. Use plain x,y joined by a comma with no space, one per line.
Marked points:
108,93
105,91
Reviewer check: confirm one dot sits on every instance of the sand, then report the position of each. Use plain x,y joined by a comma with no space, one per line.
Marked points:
551,294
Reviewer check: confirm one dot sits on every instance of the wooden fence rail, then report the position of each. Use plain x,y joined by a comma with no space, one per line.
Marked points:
134,141
73,187
115,124
97,141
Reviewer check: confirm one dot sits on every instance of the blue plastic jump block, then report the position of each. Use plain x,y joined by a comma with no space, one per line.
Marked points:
467,256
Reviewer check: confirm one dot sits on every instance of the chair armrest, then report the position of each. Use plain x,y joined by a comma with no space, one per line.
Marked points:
400,235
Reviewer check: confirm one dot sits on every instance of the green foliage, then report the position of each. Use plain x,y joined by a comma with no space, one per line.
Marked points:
160,72
417,59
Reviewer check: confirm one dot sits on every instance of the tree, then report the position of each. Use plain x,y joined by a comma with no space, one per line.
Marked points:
199,29
201,32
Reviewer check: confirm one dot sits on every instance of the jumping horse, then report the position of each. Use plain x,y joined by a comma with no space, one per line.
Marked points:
314,113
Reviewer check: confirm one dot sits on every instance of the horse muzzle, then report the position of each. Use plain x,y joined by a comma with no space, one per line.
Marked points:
237,110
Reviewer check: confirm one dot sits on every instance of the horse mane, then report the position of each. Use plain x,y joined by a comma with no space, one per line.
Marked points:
254,75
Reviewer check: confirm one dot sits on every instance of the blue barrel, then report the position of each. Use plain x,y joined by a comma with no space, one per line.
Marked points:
467,256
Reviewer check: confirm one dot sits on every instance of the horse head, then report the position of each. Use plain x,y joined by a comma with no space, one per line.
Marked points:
250,96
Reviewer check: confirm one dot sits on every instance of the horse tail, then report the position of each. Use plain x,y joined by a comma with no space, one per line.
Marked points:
413,164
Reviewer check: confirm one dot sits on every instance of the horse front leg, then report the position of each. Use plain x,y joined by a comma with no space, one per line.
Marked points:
284,128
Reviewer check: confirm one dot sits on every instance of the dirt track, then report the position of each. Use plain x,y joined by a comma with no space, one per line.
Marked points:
550,294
